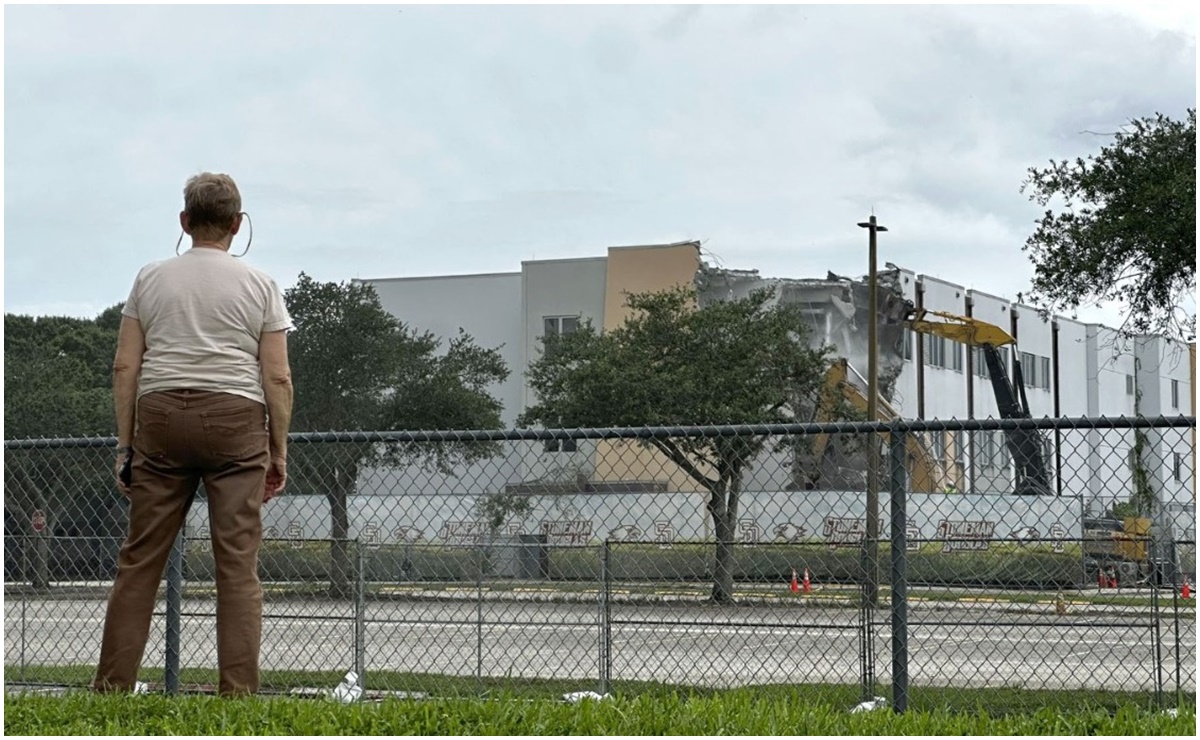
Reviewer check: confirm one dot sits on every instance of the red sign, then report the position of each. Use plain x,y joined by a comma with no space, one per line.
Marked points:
39,520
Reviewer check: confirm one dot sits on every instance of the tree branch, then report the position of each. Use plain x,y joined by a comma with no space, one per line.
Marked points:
670,450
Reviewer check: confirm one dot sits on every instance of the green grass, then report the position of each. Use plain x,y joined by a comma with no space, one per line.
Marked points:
735,712
998,702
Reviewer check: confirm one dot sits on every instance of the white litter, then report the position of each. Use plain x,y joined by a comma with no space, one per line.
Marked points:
348,691
577,696
141,688
1172,712
869,706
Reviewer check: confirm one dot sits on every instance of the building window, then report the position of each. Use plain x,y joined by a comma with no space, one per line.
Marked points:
1175,394
960,448
1028,369
560,325
935,351
1129,385
939,446
984,449
1036,370
817,322
944,353
993,453
908,344
979,360
1179,467
559,445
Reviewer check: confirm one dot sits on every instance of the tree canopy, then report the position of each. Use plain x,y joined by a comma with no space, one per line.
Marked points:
745,361
1126,231
357,367
58,383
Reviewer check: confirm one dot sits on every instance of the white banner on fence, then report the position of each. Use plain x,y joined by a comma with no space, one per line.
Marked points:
963,522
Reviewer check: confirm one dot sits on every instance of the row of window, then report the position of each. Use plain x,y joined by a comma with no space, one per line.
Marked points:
948,354
939,352
1130,388
992,453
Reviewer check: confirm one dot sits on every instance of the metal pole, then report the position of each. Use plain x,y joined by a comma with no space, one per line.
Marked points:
1178,677
872,575
24,601
360,615
479,621
603,617
174,613
899,580
1156,633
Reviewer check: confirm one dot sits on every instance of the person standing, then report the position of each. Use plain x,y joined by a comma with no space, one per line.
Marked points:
203,392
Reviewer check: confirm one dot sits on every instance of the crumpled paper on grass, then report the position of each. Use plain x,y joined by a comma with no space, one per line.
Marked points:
869,706
348,691
577,696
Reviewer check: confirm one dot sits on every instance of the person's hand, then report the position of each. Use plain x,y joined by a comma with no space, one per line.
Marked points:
276,478
120,463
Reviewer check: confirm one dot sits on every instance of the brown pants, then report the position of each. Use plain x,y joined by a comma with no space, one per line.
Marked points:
182,437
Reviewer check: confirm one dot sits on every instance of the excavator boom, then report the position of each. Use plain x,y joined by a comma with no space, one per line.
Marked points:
957,328
1025,445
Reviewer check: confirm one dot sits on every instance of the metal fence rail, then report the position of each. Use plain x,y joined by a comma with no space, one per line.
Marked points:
593,559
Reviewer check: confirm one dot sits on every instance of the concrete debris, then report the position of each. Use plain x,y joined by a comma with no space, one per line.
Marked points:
837,309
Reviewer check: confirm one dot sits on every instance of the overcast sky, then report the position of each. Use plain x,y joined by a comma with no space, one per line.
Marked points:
378,141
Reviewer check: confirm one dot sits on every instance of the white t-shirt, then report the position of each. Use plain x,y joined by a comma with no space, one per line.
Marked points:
203,313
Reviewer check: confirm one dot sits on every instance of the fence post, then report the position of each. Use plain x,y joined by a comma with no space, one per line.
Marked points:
360,615
603,602
174,613
479,565
899,574
25,601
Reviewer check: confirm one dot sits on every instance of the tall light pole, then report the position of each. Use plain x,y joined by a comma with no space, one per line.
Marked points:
871,593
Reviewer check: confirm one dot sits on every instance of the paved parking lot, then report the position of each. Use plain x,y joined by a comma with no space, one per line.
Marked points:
679,643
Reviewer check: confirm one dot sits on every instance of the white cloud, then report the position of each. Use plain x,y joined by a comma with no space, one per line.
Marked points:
373,142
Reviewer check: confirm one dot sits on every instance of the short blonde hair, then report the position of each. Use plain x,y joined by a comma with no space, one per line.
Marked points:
212,202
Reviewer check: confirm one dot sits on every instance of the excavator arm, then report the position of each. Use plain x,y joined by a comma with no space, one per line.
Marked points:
1025,445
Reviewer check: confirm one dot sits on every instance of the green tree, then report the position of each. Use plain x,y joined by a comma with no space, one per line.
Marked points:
355,367
1127,228
57,383
744,361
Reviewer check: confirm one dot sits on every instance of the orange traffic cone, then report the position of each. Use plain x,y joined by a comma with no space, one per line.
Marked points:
1187,588
795,583
1112,580
1102,578
807,583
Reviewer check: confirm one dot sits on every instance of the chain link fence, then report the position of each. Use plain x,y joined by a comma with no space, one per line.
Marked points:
1035,559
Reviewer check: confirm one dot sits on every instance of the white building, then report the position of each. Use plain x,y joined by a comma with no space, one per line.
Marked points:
1071,369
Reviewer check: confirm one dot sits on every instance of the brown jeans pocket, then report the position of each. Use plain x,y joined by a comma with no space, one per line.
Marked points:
235,433
153,426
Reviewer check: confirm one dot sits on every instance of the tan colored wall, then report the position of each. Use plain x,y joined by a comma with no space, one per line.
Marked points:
642,270
645,269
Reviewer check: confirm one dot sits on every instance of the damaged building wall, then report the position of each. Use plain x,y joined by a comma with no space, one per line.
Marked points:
837,310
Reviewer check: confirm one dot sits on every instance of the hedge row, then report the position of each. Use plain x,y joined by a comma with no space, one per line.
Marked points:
1003,565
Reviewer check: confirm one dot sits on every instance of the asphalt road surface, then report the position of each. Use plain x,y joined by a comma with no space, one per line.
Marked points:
680,643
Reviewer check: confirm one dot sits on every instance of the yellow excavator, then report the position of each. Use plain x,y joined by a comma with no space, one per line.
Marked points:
927,473
1025,445
843,384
